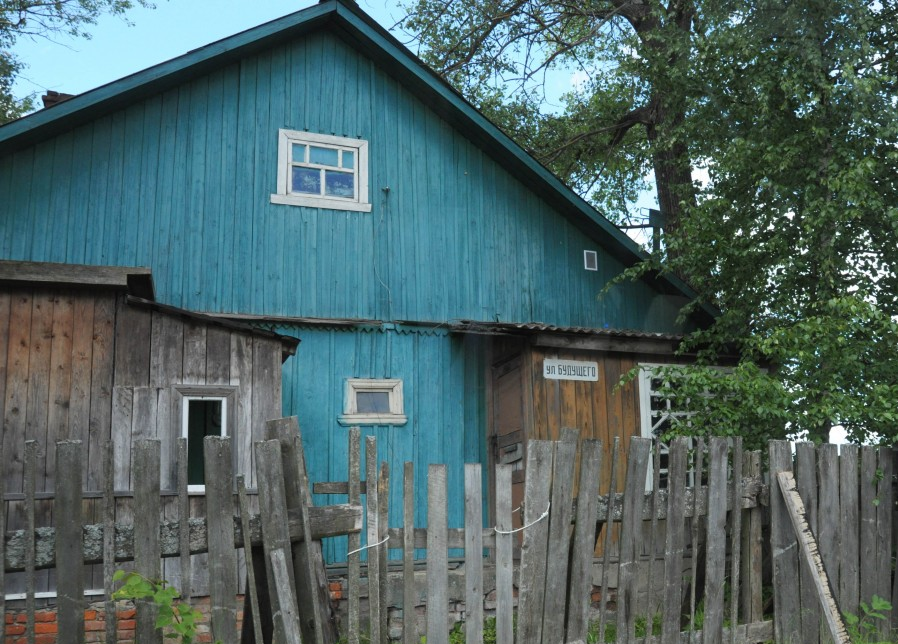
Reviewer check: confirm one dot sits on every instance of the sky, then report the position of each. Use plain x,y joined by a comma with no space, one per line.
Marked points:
174,27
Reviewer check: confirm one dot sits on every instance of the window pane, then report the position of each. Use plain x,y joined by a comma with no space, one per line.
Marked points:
339,184
348,159
203,419
306,180
323,156
373,402
299,153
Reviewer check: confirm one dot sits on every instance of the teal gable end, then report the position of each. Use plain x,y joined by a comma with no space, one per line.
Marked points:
174,168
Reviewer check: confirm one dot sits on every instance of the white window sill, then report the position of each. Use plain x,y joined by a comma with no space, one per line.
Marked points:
316,202
372,419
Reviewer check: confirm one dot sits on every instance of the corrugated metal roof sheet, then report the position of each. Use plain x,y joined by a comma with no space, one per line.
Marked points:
522,328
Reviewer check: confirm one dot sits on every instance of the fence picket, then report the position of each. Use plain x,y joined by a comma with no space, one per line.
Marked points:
353,588
698,468
884,515
252,595
675,541
376,619
849,584
715,559
111,621
473,555
752,545
736,536
409,595
70,570
146,468
537,489
559,537
828,500
634,491
31,453
867,511
580,587
608,527
185,560
437,557
380,553
806,479
220,529
504,570
786,593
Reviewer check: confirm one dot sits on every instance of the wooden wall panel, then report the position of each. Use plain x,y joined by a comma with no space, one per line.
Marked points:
101,386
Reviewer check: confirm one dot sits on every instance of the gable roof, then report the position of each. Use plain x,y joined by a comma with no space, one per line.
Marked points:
346,20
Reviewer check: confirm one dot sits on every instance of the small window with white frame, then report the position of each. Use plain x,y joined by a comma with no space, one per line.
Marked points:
204,411
322,171
370,401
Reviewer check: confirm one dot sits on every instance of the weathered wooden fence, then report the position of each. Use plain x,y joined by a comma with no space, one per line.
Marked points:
684,562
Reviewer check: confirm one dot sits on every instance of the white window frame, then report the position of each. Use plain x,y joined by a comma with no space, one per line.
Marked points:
647,423
390,386
590,260
228,397
286,139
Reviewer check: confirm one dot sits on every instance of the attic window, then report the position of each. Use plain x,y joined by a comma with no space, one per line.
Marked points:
322,171
373,402
590,260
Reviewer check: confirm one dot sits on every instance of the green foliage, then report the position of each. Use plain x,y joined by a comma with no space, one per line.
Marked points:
177,619
33,18
866,628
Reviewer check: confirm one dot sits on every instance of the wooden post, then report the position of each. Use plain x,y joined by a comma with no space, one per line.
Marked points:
806,479
70,570
354,541
146,468
849,582
375,600
752,556
473,555
409,594
222,558
109,537
504,564
437,557
675,544
715,561
252,594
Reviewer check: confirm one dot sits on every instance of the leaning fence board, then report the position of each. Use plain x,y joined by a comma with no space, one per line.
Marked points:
675,542
715,559
273,509
287,617
437,557
810,557
222,556
634,489
252,594
559,537
786,593
537,488
580,586
146,471
473,554
504,572
70,571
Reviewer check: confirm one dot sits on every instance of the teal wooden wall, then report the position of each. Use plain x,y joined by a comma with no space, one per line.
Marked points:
180,182
445,401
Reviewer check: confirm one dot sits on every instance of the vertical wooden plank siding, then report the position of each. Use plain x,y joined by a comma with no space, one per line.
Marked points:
559,537
473,554
631,524
69,557
715,562
786,589
286,617
849,581
16,406
504,571
580,589
675,540
222,560
437,557
146,531
101,427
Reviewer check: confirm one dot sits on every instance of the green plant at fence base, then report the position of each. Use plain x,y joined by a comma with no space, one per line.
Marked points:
865,628
176,618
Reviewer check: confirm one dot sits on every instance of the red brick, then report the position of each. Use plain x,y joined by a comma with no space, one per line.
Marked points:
90,614
15,629
127,613
45,616
127,624
10,618
45,638
94,625
46,627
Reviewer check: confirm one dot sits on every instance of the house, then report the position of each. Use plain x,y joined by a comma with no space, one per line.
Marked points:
312,177
89,355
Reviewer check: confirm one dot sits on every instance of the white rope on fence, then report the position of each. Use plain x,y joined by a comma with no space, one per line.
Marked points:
373,545
529,525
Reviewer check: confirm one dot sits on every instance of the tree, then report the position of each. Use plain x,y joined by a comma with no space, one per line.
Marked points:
39,18
790,108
